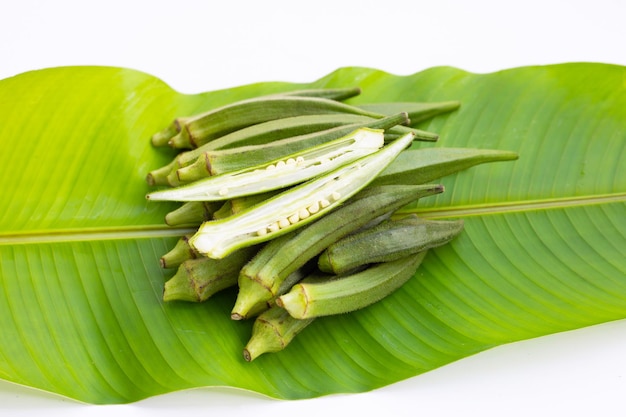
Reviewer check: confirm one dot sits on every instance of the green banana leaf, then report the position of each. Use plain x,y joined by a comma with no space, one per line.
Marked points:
81,315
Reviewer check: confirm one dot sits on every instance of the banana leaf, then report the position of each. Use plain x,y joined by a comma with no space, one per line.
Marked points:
81,315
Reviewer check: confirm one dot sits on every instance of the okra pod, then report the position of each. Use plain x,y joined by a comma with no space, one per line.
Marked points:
272,331
293,169
295,207
181,252
204,127
163,137
236,159
345,293
198,279
261,279
419,166
386,242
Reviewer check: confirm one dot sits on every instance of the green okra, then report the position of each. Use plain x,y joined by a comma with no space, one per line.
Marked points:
192,213
419,166
233,160
345,293
181,252
198,279
388,241
417,112
272,331
202,128
163,137
277,174
261,279
295,207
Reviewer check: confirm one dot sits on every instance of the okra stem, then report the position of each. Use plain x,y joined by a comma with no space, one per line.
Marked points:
198,279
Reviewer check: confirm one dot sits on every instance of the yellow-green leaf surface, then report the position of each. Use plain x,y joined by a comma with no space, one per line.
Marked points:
80,283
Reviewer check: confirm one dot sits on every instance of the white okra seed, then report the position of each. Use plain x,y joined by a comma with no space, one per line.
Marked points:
280,164
299,160
291,161
270,166
336,196
314,208
324,203
274,227
262,232
303,213
223,191
284,222
294,218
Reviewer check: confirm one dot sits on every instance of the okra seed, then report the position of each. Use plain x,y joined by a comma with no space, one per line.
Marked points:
291,161
271,166
294,218
282,223
324,203
314,208
280,164
223,191
336,196
274,227
299,160
303,213
262,232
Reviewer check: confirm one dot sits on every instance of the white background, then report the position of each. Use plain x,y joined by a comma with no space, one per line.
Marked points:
197,46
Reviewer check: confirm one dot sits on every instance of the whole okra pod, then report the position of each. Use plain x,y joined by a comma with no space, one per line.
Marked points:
345,293
163,137
388,241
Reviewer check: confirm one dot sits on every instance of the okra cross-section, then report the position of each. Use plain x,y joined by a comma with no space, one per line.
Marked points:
294,207
294,169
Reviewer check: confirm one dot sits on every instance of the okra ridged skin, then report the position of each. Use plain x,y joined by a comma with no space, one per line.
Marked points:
202,128
276,174
198,279
388,241
262,278
295,207
419,166
272,331
235,159
347,293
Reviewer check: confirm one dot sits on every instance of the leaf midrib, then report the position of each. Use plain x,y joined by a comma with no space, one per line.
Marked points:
163,231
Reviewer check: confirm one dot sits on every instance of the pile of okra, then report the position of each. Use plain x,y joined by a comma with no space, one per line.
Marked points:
296,199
